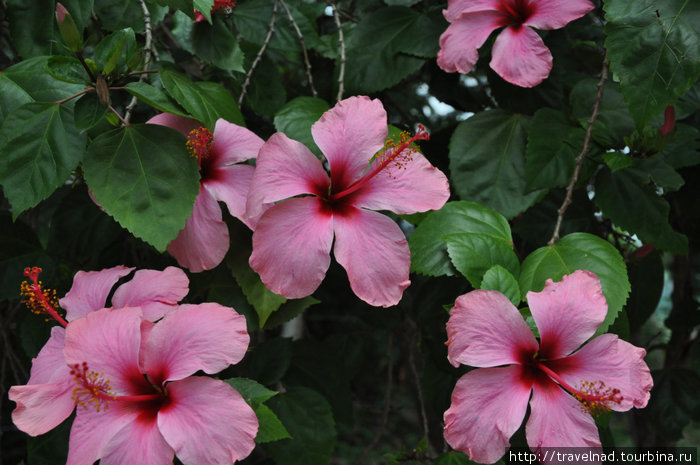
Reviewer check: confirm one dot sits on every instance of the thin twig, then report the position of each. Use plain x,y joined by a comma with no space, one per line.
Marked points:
341,46
258,57
303,49
416,377
147,49
581,156
84,91
387,401
124,121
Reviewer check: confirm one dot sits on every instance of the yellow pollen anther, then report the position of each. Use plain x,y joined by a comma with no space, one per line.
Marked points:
199,142
596,397
394,153
37,299
91,388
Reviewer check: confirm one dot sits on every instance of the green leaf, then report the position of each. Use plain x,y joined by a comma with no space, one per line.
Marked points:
118,14
89,111
626,198
268,362
296,117
213,43
675,400
80,10
252,20
647,280
32,26
473,254
654,49
67,69
660,172
681,151
40,147
204,7
271,428
185,6
253,392
579,251
379,50
266,92
309,420
144,177
552,147
29,81
617,161
204,101
487,161
288,310
614,122
112,51
154,97
454,458
428,244
500,279
263,300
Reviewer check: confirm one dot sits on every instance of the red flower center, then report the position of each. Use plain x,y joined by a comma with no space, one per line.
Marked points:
516,11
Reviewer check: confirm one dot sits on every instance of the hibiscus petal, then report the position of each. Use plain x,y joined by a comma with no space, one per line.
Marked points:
92,431
207,337
204,241
520,57
233,144
108,341
179,123
567,313
49,366
460,41
557,420
488,406
349,134
284,168
156,292
555,14
90,290
42,407
615,362
413,186
186,422
486,330
291,246
139,441
374,252
230,184
456,8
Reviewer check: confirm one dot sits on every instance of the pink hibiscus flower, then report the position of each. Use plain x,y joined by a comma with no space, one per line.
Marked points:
46,400
519,55
562,384
293,238
204,241
137,399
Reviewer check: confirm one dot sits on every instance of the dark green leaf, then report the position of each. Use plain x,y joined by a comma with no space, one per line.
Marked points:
89,111
379,52
144,177
288,310
473,254
67,69
32,26
271,428
428,244
614,122
112,51
487,161
185,6
261,298
269,361
204,7
205,101
309,420
266,92
252,20
154,97
552,147
579,251
253,392
675,400
500,279
30,76
654,48
80,10
617,161
627,199
296,117
118,14
213,43
454,458
647,280
660,172
40,147
682,150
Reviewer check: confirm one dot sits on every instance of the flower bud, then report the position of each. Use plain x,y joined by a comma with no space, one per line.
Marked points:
69,31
